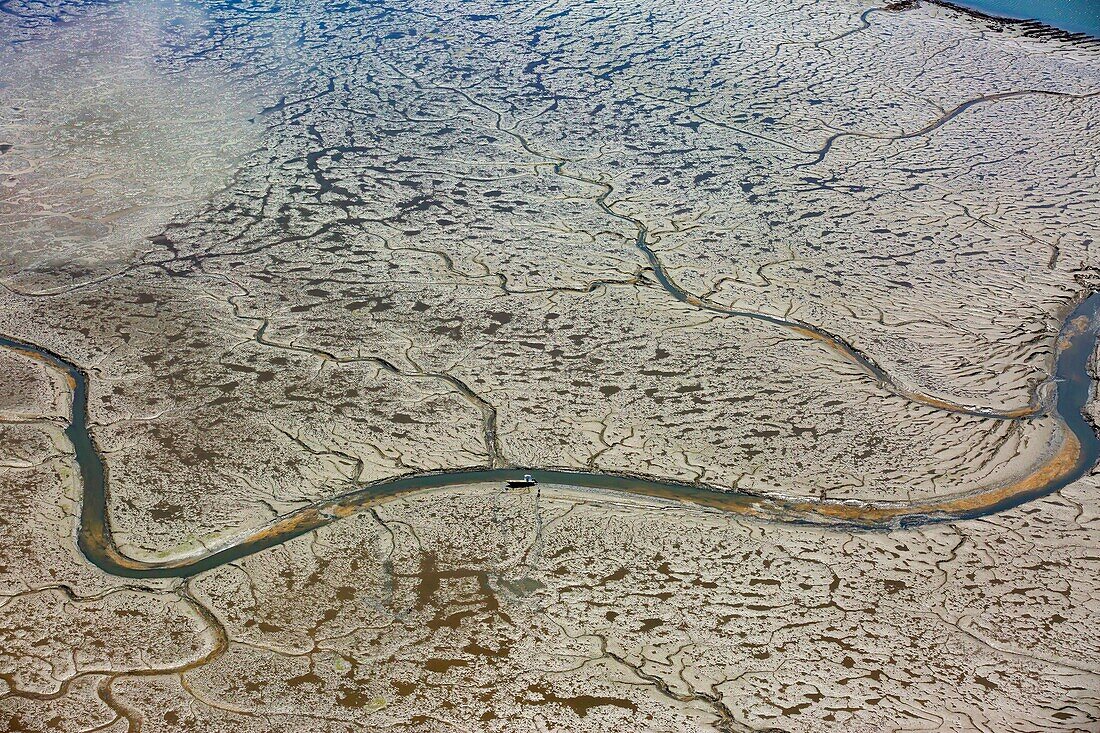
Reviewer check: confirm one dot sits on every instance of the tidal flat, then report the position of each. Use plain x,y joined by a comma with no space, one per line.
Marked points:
789,310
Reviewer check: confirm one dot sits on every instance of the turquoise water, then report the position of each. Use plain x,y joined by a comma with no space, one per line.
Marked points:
1078,16
1072,389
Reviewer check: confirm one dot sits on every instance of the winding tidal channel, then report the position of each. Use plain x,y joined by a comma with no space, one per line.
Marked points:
1073,457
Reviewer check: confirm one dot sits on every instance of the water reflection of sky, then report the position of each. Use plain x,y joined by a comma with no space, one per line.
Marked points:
1079,16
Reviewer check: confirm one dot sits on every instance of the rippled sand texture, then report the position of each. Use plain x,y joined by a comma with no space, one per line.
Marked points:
303,249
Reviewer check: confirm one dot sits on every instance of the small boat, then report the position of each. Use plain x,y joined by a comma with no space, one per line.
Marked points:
523,483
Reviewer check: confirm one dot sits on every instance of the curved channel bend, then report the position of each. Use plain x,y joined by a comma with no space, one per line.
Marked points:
1073,457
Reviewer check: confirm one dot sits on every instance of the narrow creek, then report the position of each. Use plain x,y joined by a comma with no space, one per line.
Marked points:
1072,459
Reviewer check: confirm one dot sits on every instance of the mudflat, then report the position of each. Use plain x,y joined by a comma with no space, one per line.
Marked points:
496,367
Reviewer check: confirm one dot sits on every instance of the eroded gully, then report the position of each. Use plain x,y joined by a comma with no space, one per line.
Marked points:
1072,458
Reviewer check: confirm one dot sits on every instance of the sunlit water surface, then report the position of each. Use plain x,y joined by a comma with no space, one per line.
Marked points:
1077,16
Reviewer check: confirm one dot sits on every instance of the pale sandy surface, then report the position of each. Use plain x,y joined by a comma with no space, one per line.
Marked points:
485,610
299,251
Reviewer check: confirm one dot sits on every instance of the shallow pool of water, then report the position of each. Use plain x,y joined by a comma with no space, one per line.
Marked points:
1077,16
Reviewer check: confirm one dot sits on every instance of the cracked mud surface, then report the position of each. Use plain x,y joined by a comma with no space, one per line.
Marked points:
810,252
